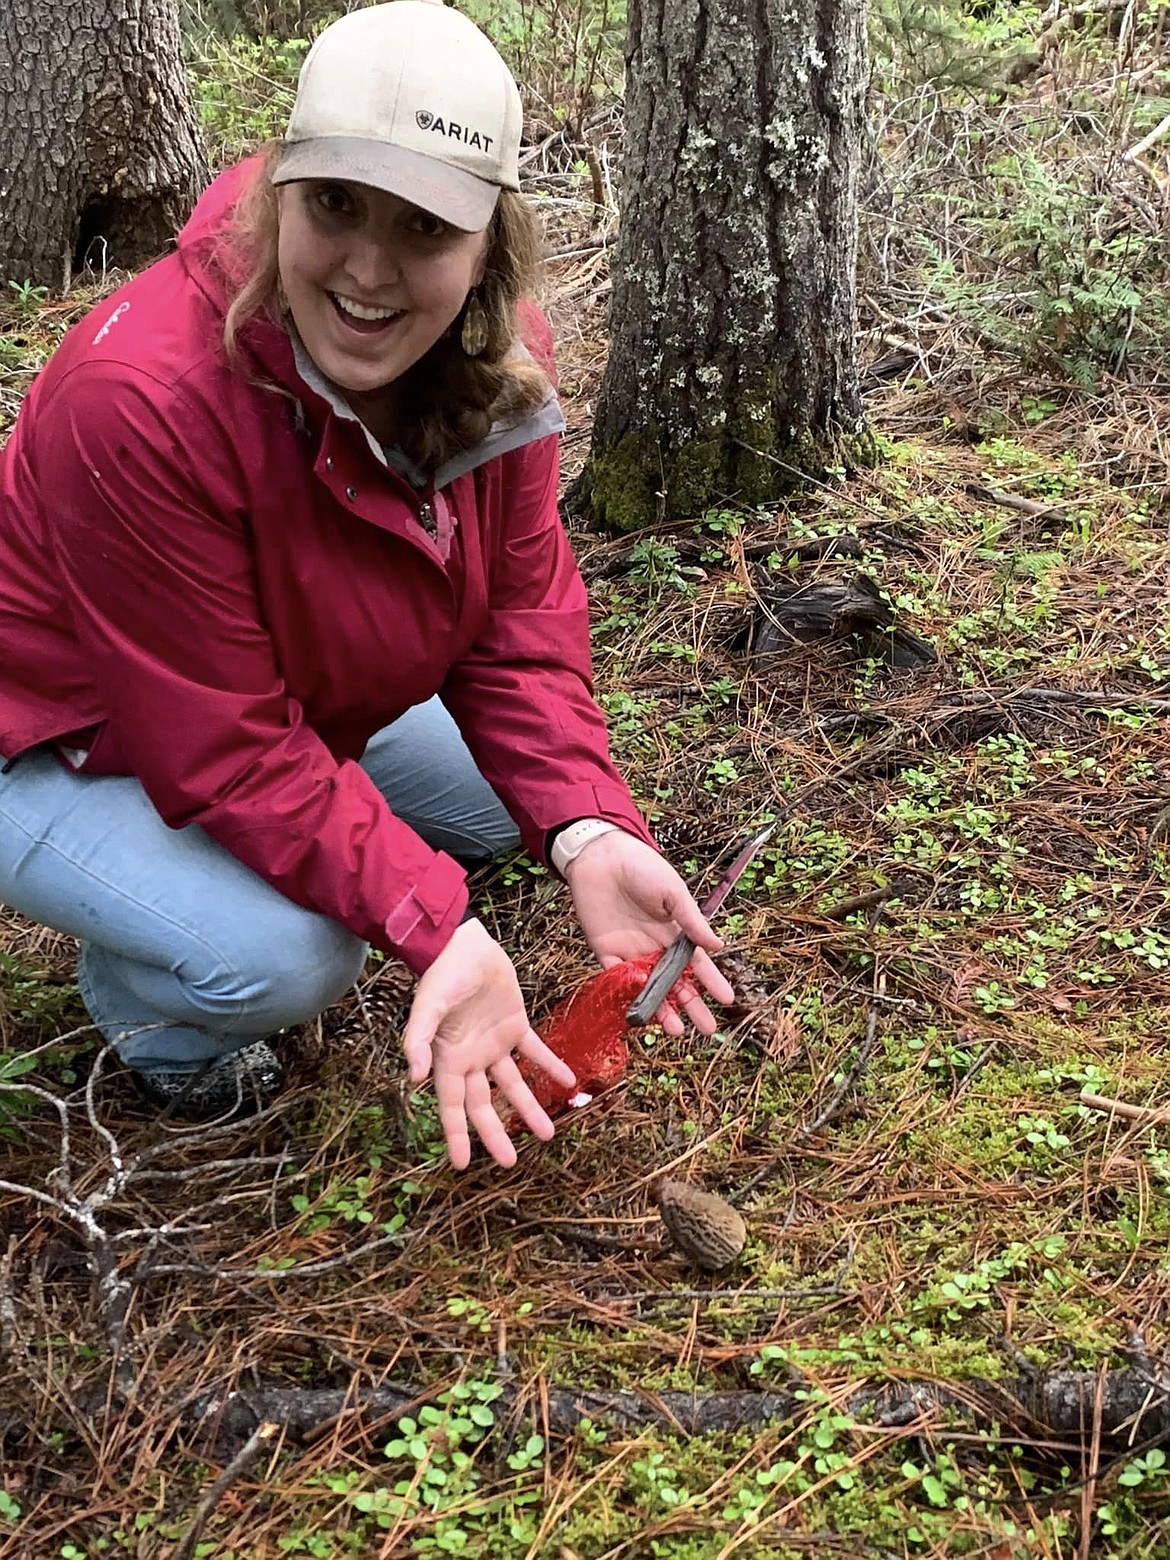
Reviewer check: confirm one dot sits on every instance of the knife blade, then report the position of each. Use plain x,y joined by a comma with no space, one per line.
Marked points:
676,958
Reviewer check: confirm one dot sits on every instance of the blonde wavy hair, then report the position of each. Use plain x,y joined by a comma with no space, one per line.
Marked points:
459,397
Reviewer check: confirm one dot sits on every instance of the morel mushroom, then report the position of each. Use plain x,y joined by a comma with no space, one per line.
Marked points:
702,1225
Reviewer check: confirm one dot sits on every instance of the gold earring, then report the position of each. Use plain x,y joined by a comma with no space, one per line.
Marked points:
473,338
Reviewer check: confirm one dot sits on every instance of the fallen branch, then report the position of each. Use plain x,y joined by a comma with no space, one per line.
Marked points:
1133,1405
261,1437
1140,148
856,903
843,1092
1024,506
1145,1114
848,1083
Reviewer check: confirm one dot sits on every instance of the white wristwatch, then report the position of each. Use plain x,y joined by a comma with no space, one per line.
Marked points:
571,841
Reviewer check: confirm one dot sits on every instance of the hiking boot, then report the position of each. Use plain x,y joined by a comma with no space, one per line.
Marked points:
239,1084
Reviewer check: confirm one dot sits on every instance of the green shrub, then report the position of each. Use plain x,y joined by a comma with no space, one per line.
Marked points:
1074,289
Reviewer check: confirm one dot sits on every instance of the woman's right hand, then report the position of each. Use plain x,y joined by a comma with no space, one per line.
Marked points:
466,1020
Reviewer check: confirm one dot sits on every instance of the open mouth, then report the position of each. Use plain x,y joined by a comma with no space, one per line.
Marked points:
361,318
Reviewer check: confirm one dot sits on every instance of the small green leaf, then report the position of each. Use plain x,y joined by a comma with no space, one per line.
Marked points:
935,1490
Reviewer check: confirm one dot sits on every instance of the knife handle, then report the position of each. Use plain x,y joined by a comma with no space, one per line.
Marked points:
662,977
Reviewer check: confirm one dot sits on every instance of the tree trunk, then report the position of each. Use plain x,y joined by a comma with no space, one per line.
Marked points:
733,317
100,152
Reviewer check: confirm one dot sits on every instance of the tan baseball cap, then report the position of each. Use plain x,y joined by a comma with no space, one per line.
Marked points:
412,98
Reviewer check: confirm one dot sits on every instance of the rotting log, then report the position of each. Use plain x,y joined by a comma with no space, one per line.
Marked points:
1134,1407
848,609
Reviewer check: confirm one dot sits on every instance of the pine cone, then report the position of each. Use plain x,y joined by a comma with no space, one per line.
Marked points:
702,1225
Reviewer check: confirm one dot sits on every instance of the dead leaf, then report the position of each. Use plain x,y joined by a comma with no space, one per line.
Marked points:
966,976
786,1040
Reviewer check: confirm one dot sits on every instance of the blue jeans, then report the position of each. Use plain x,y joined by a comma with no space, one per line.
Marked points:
181,941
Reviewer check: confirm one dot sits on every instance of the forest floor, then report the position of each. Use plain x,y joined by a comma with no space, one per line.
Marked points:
895,1106
947,1241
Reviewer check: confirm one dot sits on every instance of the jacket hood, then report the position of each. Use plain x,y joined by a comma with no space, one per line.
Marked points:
217,202
205,240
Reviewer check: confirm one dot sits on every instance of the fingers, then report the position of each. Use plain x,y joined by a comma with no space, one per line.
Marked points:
465,1101
534,1048
712,978
450,1093
686,997
482,1115
668,1020
690,919
697,1010
416,1041
525,1103
468,1100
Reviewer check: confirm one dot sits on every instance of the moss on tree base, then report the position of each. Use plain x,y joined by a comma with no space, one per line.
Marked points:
642,481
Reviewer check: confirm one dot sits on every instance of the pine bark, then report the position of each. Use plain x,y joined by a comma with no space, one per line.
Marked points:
733,313
100,151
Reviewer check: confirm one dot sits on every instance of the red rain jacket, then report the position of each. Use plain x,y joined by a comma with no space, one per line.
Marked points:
210,580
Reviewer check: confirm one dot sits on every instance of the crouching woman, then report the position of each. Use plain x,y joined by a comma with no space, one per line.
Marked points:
289,628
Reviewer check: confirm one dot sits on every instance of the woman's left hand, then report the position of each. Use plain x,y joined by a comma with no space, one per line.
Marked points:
631,902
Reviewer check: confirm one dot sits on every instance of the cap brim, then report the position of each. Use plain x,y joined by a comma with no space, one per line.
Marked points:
460,198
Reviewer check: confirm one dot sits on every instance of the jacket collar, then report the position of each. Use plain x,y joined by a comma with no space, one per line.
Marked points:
502,437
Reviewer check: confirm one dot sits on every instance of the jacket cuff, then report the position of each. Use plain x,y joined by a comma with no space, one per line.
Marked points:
421,925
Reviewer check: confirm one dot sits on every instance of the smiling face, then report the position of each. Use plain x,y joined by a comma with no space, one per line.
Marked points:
372,282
